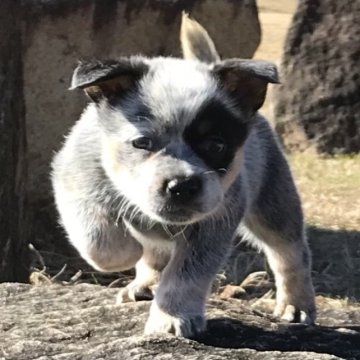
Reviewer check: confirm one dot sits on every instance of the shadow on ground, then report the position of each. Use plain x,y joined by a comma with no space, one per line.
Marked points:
336,261
231,333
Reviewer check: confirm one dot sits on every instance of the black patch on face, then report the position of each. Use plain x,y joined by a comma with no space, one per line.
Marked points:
129,101
131,106
213,123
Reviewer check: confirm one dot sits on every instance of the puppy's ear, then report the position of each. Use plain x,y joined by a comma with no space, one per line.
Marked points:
246,80
196,42
101,79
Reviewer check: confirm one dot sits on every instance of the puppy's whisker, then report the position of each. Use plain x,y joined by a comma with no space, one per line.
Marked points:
183,234
181,231
209,172
222,170
168,232
143,119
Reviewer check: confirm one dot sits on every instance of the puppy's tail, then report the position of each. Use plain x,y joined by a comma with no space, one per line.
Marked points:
196,42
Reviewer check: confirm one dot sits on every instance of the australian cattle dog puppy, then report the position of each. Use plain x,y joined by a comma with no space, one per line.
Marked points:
168,163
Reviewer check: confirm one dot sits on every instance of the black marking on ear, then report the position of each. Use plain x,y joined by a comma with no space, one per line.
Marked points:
246,80
106,78
215,119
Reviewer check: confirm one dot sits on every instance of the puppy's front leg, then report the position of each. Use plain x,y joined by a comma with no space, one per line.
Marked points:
179,303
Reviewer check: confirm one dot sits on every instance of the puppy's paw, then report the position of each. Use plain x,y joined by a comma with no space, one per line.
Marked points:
134,292
186,325
296,313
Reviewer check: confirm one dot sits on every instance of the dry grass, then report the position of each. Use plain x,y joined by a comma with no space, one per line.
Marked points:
330,190
275,17
54,267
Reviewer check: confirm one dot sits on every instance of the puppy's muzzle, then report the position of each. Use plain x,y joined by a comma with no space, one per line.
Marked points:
183,189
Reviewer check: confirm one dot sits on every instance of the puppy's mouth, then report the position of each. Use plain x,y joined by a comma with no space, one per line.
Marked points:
179,215
172,214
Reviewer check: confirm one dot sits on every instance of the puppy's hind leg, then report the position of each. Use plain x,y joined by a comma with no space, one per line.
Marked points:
289,258
290,261
276,220
148,271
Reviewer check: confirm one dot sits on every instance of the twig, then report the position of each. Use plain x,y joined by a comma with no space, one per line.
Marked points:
75,278
38,255
59,273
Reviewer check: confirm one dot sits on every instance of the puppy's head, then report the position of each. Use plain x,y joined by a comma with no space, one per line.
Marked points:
173,129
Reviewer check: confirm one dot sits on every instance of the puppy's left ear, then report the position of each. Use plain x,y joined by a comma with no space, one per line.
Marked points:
195,41
103,79
246,80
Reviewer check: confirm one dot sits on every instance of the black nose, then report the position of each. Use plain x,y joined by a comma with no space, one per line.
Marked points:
183,188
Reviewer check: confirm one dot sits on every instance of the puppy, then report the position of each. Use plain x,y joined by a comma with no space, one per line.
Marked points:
168,163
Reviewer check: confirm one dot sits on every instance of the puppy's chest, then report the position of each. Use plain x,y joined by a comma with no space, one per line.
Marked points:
156,236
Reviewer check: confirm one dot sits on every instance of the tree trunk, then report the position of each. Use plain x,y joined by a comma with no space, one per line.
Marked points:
14,256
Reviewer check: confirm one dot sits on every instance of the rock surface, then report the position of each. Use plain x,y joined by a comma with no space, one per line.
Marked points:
317,105
82,322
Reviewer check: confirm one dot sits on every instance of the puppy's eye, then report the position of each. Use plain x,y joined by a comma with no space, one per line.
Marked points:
143,142
214,144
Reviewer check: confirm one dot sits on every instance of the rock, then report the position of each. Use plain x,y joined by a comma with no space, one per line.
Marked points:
57,33
317,105
82,322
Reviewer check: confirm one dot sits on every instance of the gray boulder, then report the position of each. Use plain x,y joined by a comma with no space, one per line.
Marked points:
317,105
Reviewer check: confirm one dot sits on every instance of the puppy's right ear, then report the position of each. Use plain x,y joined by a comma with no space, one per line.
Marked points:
104,79
246,80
